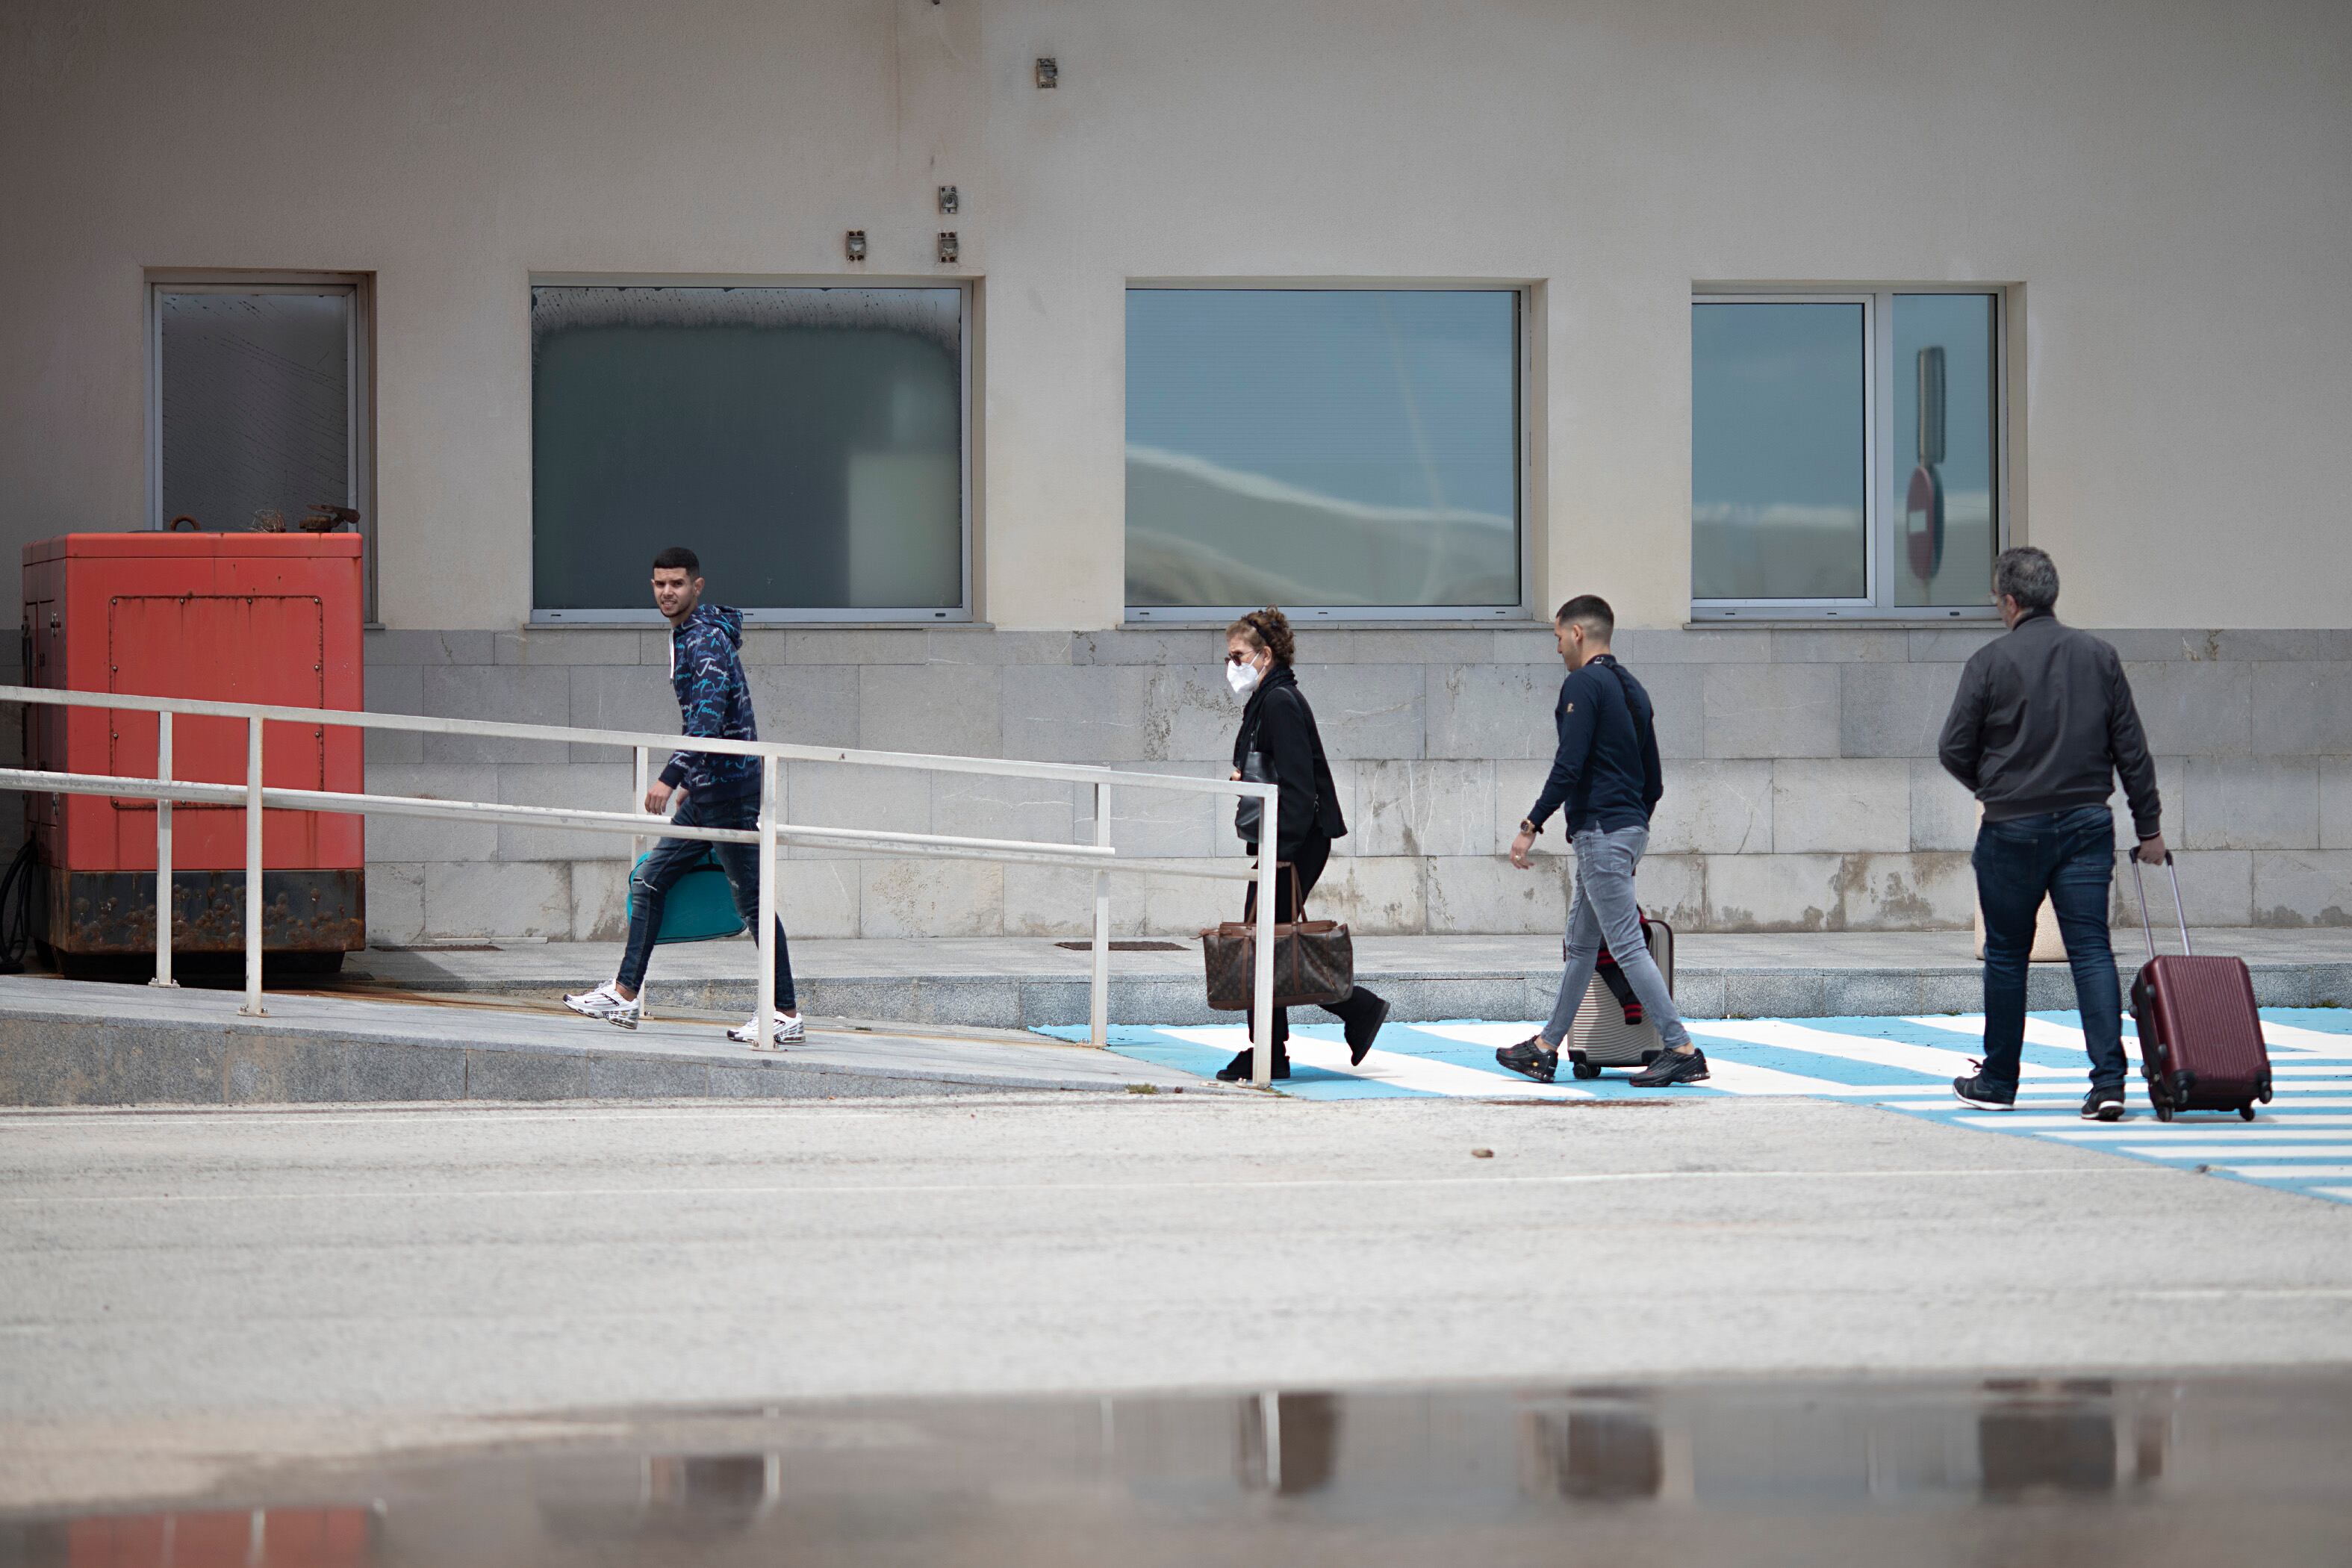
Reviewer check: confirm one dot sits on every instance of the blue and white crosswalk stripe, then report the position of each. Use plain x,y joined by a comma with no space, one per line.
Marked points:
2301,1142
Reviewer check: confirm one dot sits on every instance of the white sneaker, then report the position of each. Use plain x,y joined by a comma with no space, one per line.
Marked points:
607,1003
788,1031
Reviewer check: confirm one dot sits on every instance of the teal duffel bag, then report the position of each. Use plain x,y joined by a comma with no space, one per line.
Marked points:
701,905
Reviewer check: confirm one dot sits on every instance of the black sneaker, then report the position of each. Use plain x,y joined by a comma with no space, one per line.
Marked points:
2104,1105
1530,1058
1986,1095
1672,1067
1359,1040
1238,1070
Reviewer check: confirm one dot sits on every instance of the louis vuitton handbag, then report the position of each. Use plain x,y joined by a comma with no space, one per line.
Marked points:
1314,961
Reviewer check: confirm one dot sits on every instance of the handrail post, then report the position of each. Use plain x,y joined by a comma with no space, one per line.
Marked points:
1262,984
252,1009
764,993
1099,992
640,782
164,855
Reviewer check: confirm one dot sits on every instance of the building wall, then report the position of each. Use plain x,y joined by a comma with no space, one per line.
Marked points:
2157,186
1802,789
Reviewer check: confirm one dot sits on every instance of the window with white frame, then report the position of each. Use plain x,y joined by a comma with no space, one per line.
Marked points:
808,444
1846,453
257,410
1341,452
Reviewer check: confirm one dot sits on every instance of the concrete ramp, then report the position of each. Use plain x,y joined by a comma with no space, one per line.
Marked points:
67,1042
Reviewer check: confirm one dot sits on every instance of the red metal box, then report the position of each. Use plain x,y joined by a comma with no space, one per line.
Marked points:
231,617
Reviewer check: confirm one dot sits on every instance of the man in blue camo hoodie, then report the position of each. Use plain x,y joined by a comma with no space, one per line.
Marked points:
706,671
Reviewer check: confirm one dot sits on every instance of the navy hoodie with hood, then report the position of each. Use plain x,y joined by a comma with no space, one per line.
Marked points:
714,701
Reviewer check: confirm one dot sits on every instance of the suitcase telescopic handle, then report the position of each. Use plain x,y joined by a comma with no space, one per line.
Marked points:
2147,926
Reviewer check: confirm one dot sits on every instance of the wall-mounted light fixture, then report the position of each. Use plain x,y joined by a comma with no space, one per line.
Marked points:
947,198
1049,74
853,245
948,249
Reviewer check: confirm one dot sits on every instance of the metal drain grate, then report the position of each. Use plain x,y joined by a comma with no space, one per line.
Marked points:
1125,946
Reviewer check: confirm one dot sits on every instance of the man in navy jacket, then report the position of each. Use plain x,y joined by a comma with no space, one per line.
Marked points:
1606,775
714,701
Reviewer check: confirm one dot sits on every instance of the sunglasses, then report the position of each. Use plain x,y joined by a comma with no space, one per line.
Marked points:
1231,658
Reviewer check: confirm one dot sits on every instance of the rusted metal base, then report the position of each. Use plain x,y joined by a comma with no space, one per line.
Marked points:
93,914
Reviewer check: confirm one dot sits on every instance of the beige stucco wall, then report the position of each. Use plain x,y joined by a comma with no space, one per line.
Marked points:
2167,182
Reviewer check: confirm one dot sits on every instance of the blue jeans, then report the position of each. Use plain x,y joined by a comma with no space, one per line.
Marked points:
659,871
2071,857
1605,911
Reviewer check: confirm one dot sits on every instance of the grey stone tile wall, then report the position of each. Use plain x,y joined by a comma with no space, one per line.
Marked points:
1802,790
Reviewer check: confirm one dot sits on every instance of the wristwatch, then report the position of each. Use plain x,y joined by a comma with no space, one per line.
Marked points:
1529,828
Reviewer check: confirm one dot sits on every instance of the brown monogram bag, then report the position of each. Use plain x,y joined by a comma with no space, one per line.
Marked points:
1314,961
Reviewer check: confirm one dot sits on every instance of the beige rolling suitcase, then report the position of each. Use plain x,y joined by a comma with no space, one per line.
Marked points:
1600,1038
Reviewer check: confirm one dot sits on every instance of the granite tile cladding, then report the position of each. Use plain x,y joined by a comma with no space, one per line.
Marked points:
1802,792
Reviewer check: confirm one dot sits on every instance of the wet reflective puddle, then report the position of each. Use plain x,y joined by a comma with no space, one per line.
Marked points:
2009,1472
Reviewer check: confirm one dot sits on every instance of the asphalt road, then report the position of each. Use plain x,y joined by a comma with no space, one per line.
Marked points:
334,1262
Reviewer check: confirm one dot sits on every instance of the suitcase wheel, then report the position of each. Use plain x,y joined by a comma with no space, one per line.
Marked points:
2247,1111
1584,1069
2163,1111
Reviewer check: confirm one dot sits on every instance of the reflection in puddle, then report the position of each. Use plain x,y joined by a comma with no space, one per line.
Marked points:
250,1538
584,1498
2016,1471
1597,1451
1288,1442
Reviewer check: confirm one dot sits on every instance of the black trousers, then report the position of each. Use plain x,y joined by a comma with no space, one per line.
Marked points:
1312,858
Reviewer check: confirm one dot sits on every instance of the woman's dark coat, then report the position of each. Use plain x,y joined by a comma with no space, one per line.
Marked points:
1284,729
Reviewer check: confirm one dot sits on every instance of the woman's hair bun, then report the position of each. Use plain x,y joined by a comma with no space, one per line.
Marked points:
1270,629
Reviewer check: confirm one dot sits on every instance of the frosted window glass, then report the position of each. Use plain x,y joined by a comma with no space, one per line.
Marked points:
1780,444
805,443
1322,447
255,398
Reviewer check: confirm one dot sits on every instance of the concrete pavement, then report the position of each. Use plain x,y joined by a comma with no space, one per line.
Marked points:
1020,983
485,1022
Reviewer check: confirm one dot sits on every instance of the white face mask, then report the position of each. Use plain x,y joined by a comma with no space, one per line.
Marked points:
1241,677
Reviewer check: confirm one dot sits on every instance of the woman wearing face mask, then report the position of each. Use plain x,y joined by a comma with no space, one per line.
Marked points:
1278,726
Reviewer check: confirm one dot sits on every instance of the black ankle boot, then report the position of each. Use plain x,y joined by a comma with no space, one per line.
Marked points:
1364,1031
1238,1070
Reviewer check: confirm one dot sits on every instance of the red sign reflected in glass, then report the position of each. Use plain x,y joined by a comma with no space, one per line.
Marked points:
1923,522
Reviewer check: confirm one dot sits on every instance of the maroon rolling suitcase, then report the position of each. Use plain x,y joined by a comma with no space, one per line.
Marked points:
2201,1039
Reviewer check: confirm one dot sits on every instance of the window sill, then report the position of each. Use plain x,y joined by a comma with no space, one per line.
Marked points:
753,621
1850,623
1217,623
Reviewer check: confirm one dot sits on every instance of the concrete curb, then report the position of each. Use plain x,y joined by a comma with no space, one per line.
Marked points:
60,1061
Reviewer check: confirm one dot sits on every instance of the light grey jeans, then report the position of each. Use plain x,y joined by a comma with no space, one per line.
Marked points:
1605,911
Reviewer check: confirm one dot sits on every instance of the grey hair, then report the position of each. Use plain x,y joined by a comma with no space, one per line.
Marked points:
2027,575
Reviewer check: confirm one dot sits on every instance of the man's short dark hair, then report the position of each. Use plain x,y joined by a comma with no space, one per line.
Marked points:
1591,612
678,555
2027,575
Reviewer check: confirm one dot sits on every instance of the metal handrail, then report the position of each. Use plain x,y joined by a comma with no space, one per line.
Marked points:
620,740
255,798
